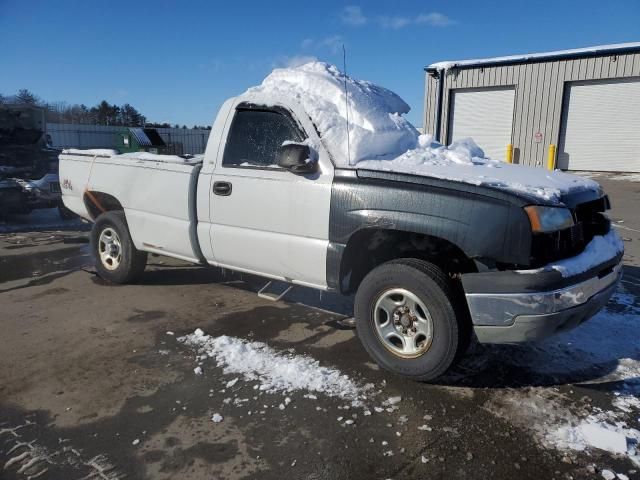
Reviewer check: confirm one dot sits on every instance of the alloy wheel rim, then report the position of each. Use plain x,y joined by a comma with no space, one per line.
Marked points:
110,249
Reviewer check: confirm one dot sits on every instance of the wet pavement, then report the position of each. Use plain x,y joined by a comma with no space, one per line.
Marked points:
94,383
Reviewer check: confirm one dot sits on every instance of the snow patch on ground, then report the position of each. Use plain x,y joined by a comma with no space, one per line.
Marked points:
607,341
595,433
628,397
555,418
550,415
621,176
216,418
274,371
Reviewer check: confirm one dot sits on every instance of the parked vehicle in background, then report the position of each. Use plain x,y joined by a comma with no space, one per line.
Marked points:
438,243
11,196
28,164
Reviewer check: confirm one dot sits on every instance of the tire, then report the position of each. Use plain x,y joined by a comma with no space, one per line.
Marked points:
116,258
422,342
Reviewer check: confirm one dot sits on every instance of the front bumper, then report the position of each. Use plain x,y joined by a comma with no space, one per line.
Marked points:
535,313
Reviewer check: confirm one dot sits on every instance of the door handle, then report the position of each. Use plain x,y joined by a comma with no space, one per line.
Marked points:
222,188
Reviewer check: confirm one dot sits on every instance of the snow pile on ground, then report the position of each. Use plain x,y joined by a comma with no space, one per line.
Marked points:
275,371
464,161
377,128
600,249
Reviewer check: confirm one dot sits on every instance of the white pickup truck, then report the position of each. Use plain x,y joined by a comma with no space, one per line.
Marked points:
439,243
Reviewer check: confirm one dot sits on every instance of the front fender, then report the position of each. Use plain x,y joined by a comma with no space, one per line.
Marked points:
481,222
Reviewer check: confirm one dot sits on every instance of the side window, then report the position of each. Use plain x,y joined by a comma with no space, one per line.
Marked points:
256,136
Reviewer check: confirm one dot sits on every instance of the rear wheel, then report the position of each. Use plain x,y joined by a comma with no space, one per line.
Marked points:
117,259
409,318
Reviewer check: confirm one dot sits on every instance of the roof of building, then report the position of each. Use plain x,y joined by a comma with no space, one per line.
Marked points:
617,48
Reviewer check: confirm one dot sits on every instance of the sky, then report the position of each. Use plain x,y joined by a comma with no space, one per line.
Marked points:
177,61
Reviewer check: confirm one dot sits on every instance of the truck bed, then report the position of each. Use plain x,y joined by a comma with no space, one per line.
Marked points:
153,191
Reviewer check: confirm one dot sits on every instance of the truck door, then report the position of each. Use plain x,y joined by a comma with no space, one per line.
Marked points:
265,219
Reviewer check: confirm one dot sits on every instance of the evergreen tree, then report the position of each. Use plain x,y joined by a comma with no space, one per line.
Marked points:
26,97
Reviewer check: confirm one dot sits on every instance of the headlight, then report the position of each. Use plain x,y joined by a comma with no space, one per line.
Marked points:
549,219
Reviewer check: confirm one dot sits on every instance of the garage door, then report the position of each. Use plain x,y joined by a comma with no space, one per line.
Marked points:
484,114
600,127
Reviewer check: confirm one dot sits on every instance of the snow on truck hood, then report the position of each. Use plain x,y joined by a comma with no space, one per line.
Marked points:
464,161
380,138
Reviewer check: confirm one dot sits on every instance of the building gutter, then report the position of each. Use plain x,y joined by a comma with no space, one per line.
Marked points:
538,57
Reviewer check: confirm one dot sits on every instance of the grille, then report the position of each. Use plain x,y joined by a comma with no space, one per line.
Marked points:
54,187
552,246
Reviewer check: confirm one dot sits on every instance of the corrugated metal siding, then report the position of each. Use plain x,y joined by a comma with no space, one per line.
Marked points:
539,87
430,100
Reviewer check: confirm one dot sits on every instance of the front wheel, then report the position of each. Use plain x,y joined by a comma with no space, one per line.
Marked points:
409,320
117,259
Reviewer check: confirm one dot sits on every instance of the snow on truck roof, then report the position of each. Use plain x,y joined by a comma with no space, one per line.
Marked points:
377,128
616,48
380,138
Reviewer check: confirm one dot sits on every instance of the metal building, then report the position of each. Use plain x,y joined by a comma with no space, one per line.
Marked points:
583,104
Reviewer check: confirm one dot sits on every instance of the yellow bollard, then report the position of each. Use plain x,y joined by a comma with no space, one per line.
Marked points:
510,153
551,157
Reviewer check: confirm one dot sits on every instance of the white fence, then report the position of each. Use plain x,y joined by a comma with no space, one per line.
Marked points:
65,135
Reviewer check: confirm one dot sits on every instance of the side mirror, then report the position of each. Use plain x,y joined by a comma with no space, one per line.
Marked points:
295,157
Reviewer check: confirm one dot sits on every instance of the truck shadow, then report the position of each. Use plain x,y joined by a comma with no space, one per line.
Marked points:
196,275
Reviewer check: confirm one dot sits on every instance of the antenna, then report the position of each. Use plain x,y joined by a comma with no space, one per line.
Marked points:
346,100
